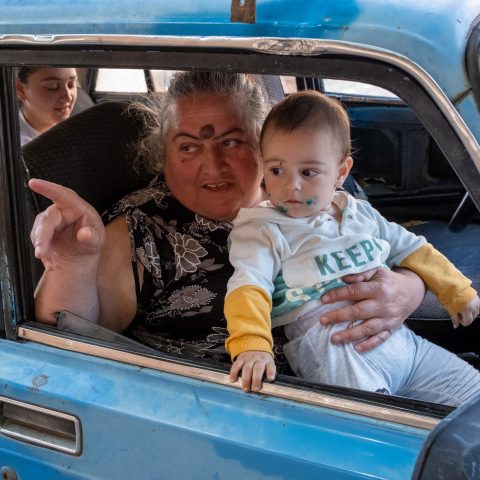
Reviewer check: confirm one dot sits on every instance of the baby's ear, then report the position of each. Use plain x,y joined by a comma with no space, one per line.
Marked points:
343,170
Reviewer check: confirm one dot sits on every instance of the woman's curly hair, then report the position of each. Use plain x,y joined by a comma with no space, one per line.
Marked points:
158,109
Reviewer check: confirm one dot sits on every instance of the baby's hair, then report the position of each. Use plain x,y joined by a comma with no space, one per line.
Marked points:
312,111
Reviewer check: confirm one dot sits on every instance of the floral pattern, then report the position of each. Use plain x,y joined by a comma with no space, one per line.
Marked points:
185,274
187,253
186,269
190,297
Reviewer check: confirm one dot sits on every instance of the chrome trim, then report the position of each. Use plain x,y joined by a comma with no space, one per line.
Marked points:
277,46
355,407
37,434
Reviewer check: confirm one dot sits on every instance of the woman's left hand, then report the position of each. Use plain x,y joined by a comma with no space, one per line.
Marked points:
382,298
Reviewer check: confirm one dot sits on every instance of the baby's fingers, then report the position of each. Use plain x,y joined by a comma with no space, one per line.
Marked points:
271,371
252,366
257,376
456,320
466,318
235,370
247,372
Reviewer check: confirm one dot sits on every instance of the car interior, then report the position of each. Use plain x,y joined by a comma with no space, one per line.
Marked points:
398,167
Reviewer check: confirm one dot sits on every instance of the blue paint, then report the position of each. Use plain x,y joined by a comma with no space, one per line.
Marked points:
140,423
432,34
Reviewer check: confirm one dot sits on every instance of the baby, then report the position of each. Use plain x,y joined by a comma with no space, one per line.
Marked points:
295,247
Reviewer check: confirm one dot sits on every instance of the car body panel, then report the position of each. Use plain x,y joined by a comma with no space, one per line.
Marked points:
406,23
426,34
145,422
218,431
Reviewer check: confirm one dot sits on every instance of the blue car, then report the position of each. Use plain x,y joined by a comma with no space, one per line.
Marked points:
78,401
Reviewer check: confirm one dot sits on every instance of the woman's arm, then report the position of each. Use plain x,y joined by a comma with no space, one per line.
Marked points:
116,283
384,302
87,266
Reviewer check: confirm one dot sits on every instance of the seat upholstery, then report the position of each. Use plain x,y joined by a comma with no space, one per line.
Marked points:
460,248
432,321
91,153
83,101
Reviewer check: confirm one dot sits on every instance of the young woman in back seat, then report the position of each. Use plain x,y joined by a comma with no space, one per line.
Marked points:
47,96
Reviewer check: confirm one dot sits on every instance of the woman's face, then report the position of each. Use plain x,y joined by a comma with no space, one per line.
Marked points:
210,163
48,96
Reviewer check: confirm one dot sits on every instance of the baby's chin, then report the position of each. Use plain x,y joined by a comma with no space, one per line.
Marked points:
298,211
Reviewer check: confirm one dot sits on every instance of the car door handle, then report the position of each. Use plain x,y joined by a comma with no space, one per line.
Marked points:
40,426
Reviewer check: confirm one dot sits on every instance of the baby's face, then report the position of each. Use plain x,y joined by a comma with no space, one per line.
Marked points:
301,170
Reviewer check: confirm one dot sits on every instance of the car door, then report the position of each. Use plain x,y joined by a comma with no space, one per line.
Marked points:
88,404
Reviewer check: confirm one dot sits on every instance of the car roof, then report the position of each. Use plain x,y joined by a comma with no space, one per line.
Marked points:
431,34
422,30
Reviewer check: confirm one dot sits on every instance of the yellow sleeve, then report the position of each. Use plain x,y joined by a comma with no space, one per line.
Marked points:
247,310
451,287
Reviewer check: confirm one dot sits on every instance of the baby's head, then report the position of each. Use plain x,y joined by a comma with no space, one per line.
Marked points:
305,143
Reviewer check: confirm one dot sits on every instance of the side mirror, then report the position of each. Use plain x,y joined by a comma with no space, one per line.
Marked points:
452,449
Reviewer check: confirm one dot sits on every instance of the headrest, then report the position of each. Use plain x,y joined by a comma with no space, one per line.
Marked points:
91,153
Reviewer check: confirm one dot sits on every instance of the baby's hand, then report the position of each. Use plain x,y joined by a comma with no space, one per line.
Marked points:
468,314
253,365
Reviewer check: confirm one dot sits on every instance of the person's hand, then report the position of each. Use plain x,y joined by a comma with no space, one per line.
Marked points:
252,366
68,231
383,302
468,314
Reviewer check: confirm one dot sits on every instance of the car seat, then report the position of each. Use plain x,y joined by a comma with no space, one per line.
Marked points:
431,320
83,101
91,153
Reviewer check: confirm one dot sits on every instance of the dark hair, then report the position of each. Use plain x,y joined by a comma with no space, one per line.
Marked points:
242,89
311,110
24,72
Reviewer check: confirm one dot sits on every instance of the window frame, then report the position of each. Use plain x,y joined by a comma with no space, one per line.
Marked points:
18,300
472,60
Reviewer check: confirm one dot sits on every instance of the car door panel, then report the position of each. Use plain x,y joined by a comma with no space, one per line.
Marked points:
141,423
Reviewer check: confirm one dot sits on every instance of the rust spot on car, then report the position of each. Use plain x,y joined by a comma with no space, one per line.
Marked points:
243,11
39,381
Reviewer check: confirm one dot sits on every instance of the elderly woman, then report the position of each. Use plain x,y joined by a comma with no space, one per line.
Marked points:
159,269
47,96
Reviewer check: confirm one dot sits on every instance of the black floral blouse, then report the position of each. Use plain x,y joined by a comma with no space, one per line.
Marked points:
186,270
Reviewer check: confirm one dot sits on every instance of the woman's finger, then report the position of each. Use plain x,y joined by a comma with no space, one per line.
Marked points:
67,201
352,292
359,332
44,229
58,194
363,310
83,227
360,277
372,342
